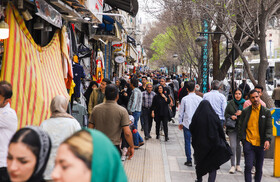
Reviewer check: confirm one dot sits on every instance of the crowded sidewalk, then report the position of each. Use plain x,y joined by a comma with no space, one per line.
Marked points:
160,161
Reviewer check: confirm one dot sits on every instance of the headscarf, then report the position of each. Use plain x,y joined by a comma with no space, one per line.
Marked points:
184,91
59,106
89,90
239,102
106,164
44,153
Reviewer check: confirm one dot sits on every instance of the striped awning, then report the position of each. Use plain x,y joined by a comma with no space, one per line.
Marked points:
35,72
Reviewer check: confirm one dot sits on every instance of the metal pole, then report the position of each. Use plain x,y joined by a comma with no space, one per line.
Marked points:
105,61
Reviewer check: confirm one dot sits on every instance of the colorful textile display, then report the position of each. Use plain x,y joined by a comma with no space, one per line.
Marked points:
66,61
35,72
99,67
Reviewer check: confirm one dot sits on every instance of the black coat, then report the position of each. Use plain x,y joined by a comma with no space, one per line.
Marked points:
160,106
208,140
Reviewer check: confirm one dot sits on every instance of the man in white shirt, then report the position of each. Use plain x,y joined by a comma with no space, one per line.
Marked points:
8,126
188,107
217,100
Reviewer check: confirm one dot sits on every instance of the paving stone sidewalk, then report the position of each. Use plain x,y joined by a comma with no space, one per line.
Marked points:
161,161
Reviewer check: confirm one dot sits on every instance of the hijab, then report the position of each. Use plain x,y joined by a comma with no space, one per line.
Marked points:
240,102
43,155
106,164
89,89
183,91
59,106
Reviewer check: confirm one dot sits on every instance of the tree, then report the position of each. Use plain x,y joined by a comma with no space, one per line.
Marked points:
242,22
181,29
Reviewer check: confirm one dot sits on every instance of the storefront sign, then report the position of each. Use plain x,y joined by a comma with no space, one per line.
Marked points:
96,7
48,13
119,59
118,48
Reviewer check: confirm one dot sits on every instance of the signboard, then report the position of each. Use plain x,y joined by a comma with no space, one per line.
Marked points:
48,13
120,59
275,121
118,47
95,7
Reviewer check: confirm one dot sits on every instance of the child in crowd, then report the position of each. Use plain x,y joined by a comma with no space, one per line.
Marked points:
138,141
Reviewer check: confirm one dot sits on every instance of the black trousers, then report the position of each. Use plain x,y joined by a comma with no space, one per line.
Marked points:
119,150
277,103
252,153
164,121
211,177
147,121
4,176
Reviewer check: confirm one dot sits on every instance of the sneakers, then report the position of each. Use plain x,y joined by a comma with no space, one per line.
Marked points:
123,158
232,170
253,171
238,169
188,163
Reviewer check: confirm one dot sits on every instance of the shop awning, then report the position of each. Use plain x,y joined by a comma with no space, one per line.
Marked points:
131,40
130,6
133,53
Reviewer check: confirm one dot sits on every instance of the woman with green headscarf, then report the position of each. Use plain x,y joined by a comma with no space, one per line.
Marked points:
88,156
233,111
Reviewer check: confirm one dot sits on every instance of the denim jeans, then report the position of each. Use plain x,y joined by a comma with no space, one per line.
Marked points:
252,153
137,139
187,137
136,116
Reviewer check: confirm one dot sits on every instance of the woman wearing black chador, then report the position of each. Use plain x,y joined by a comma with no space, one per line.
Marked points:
208,141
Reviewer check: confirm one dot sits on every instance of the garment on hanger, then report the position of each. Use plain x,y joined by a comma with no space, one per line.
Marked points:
79,73
83,51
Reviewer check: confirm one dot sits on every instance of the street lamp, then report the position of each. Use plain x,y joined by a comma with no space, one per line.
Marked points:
175,56
201,40
205,68
255,50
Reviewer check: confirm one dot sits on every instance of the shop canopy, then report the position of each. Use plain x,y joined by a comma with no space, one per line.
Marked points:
130,6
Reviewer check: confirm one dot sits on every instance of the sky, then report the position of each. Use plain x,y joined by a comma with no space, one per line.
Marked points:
143,6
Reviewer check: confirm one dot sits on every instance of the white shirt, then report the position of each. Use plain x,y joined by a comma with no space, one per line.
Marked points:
58,129
218,101
187,109
8,127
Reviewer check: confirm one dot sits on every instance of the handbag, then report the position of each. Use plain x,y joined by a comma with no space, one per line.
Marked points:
170,113
230,123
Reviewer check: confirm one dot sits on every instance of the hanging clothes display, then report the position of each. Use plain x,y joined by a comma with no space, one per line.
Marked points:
35,72
66,61
79,73
99,67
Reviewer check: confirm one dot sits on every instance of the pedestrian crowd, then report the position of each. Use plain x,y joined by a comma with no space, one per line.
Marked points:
64,148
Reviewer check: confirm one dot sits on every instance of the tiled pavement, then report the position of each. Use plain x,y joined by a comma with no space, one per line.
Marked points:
160,161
